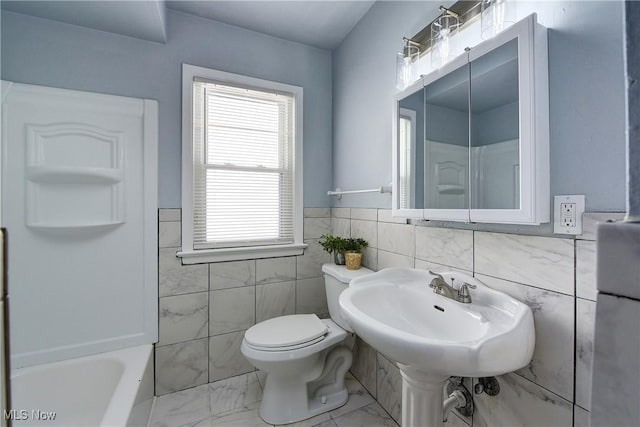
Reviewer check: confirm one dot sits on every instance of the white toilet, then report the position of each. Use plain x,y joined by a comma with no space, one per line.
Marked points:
305,357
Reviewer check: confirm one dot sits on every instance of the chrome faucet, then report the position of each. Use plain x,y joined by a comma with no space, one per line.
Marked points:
441,287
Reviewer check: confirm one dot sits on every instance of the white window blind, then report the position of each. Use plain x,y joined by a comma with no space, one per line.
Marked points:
243,166
405,161
406,152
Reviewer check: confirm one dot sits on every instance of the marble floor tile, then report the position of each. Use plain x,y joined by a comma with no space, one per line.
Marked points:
182,407
358,397
329,423
235,402
262,378
234,393
310,422
367,416
245,417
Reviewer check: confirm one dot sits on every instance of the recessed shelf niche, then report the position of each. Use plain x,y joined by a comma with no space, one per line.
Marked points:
74,177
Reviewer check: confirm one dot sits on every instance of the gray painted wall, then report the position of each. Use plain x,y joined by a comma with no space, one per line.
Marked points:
45,52
632,56
587,108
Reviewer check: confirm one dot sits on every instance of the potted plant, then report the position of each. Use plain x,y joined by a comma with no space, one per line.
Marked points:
335,245
353,252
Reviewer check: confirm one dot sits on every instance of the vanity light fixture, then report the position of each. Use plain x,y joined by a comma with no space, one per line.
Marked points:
437,39
443,30
405,63
496,15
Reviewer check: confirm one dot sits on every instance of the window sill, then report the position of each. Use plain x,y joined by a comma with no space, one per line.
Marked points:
235,254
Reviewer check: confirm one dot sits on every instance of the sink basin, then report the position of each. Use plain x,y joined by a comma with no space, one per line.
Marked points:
396,312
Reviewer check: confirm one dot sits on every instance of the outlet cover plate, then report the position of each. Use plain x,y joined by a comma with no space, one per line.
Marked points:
559,226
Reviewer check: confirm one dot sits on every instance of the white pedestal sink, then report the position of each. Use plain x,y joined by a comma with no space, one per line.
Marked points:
433,337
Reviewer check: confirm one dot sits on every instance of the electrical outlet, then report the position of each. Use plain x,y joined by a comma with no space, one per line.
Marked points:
567,214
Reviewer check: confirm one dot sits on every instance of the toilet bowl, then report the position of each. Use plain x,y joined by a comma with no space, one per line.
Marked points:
305,358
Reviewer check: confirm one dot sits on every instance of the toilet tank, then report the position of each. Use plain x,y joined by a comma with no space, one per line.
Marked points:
336,280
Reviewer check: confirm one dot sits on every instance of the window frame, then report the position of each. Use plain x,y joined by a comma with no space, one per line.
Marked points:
189,254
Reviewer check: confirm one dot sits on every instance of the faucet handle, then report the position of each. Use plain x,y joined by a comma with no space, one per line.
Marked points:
439,276
463,293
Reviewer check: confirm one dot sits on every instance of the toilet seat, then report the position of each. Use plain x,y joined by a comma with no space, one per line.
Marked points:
286,333
287,348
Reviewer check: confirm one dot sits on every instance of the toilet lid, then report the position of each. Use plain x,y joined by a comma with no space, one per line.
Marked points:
286,331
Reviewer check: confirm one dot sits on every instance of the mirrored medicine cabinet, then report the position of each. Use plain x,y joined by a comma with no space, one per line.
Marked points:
471,139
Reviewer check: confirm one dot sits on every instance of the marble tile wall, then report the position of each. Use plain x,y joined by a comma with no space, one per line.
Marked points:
554,276
206,308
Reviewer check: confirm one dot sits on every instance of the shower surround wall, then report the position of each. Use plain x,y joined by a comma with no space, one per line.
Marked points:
554,276
206,308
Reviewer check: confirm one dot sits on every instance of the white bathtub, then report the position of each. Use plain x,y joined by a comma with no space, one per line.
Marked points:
108,389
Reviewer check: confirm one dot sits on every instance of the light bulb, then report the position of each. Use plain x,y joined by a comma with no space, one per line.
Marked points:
406,71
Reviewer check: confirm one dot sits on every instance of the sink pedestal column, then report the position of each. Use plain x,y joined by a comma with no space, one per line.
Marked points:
421,397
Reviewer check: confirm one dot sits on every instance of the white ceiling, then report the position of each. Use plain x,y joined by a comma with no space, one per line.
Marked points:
140,19
323,24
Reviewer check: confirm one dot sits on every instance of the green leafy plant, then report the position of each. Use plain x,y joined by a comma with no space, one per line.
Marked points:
333,244
355,245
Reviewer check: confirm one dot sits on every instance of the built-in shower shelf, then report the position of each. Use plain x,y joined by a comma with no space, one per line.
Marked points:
451,189
75,175
78,227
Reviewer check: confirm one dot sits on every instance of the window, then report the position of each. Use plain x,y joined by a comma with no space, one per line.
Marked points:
242,167
407,149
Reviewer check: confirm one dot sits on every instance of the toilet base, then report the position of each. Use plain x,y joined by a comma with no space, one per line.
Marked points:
291,398
279,408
